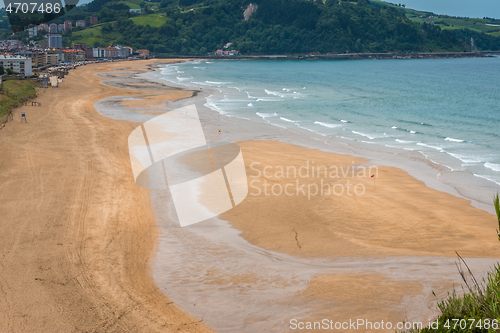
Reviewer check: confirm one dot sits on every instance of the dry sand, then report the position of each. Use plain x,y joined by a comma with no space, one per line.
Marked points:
77,234
396,215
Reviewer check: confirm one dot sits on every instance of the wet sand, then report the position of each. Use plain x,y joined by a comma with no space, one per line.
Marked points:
77,235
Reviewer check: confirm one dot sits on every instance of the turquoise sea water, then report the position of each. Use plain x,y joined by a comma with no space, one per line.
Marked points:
447,110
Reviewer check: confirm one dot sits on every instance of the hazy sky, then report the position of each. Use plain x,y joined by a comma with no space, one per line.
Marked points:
470,8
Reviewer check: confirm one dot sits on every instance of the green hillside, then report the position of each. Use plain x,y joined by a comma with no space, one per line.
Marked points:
195,27
153,20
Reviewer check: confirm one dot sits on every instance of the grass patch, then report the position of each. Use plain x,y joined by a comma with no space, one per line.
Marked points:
131,4
94,35
495,34
14,93
153,20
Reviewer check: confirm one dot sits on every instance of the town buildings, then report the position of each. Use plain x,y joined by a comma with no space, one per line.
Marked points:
17,64
93,20
55,41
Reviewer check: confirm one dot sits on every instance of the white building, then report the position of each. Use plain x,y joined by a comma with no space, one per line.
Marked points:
99,52
32,30
17,64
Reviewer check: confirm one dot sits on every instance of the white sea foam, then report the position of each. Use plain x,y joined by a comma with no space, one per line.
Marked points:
465,158
268,100
365,135
429,146
492,166
404,141
413,132
310,130
250,104
344,121
214,107
454,140
217,83
266,115
329,125
250,96
274,93
394,127
289,120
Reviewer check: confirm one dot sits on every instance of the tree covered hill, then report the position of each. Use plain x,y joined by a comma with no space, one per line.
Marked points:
195,27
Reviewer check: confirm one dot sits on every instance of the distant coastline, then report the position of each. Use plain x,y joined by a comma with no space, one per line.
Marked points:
347,56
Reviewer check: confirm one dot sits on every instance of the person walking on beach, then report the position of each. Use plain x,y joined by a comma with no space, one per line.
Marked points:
23,117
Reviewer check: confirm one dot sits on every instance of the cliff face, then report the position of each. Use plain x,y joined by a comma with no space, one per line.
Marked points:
250,9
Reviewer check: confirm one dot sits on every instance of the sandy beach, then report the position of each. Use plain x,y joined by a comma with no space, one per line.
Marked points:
78,236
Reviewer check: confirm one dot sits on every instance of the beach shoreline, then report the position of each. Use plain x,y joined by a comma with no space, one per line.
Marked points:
280,227
77,233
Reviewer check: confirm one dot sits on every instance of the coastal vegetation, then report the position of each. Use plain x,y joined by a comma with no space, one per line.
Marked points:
13,94
197,27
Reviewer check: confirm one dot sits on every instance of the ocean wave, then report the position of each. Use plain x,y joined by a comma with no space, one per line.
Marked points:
344,121
327,124
214,107
268,100
454,140
266,115
250,104
274,93
429,146
250,96
365,135
310,130
289,120
415,123
465,158
405,130
403,141
492,166
218,83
